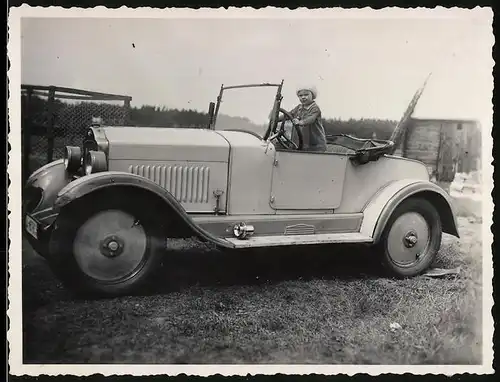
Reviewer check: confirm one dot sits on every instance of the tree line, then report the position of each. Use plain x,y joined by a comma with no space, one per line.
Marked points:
165,117
78,116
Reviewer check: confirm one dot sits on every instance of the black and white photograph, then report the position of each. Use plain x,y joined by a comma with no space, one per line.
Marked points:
235,191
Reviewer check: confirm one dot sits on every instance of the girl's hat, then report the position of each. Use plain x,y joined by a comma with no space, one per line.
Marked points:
312,89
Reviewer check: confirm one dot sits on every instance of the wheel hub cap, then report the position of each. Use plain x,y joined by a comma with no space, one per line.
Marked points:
408,239
110,246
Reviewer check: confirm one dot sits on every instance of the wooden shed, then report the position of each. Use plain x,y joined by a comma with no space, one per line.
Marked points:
441,130
446,146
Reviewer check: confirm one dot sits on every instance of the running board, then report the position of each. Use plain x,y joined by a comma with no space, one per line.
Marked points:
324,238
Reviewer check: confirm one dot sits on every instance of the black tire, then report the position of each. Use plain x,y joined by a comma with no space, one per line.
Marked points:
389,242
63,260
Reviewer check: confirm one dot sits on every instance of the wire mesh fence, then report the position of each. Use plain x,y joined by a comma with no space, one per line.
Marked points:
55,117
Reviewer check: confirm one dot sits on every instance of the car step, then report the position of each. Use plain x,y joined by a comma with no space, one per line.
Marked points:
281,240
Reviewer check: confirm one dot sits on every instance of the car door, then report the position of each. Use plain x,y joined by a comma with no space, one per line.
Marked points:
307,180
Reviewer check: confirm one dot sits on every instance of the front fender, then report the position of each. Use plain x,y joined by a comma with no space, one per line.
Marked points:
379,209
95,182
41,190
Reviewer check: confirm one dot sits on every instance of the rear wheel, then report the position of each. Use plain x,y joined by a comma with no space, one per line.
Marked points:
411,238
107,246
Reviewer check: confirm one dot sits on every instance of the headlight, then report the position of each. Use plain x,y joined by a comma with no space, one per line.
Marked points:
72,158
95,161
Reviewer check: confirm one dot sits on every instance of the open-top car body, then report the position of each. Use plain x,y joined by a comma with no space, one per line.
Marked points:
101,215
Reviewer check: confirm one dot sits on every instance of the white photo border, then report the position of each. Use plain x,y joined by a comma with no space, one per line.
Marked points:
14,311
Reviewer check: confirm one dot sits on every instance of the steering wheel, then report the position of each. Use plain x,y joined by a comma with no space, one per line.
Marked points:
283,139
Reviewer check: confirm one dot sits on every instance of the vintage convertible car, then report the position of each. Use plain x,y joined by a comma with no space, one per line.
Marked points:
102,214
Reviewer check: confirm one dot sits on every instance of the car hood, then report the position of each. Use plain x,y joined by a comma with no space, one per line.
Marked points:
147,143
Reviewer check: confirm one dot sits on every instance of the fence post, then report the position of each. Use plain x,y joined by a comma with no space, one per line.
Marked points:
126,105
26,131
50,126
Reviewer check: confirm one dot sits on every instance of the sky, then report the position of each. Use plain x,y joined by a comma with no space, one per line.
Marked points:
362,67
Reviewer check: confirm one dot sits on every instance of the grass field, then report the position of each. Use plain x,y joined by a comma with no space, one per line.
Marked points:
315,305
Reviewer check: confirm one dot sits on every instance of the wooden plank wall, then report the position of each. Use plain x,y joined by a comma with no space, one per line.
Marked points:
445,147
470,143
421,142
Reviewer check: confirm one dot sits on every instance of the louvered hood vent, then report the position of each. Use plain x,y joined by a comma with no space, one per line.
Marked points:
188,184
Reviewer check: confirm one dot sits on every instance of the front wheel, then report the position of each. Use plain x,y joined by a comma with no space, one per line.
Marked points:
107,246
411,238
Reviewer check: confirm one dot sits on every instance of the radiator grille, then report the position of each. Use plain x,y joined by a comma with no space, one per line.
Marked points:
188,184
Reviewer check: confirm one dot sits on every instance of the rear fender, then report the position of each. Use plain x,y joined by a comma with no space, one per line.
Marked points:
379,209
95,182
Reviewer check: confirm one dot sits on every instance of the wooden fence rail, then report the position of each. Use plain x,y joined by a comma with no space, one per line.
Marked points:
50,123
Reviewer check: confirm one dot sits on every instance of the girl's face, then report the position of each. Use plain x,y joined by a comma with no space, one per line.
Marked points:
305,96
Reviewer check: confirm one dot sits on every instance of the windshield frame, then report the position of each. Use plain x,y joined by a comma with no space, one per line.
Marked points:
276,105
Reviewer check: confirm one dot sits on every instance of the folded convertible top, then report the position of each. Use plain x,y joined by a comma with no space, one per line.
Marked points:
363,150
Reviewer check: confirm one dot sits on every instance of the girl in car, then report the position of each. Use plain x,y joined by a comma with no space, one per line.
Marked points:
307,115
